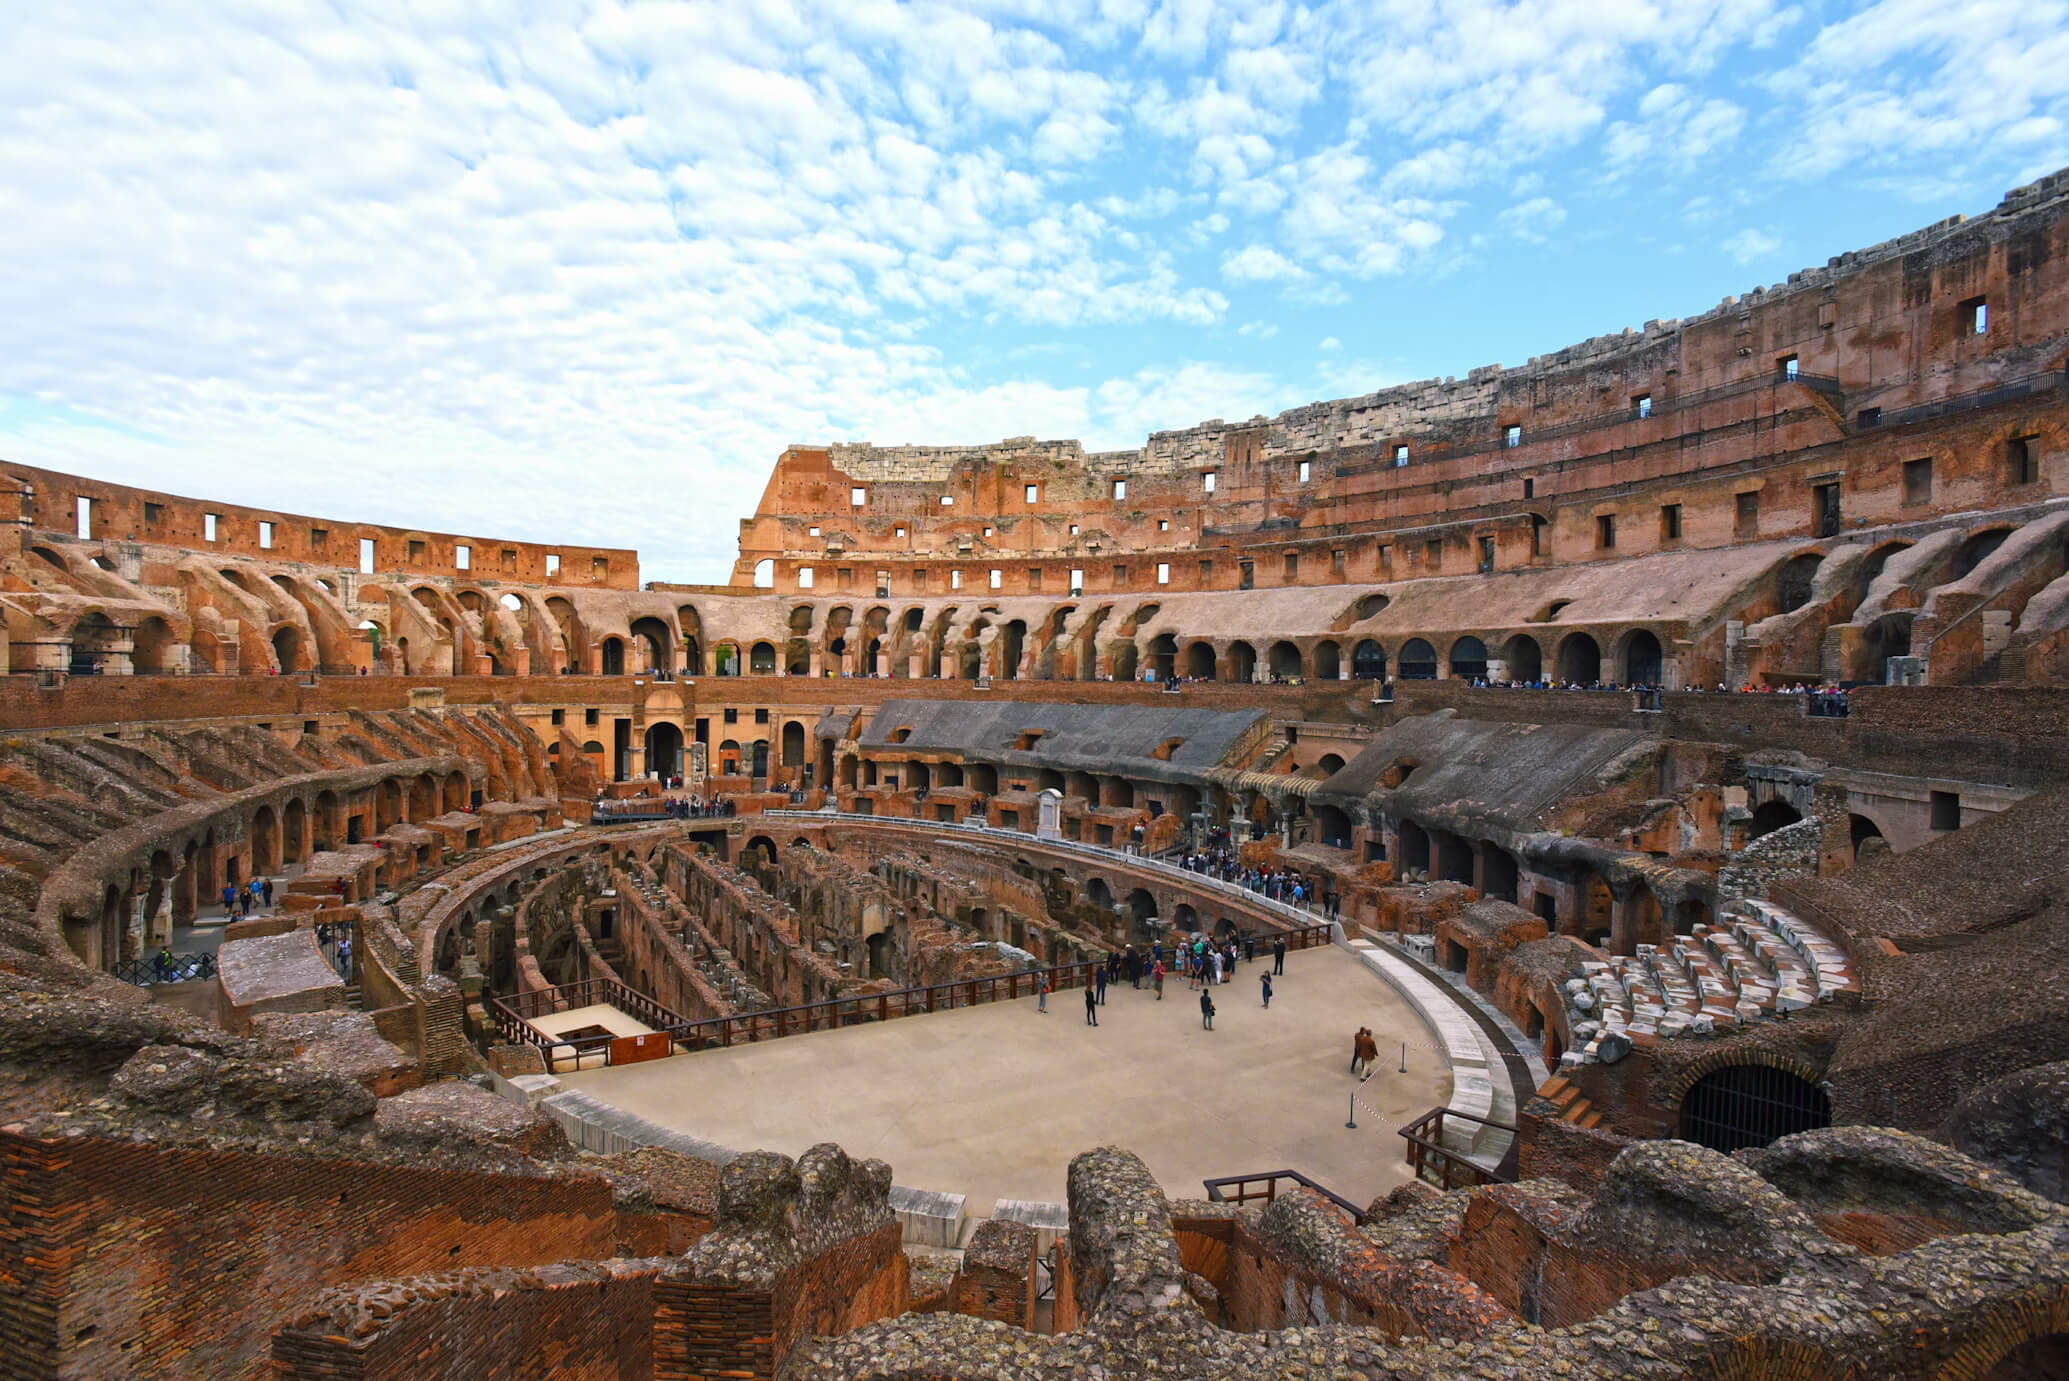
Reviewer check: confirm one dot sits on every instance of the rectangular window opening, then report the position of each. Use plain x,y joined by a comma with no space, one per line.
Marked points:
599,568
955,580
1918,480
1670,522
1529,488
1486,555
152,513
1077,580
883,584
1120,575
1034,579
1034,493
1605,530
366,556
805,576
1975,316
948,501
1292,565
1120,489
1788,366
997,578
1305,470
1512,437
1247,578
86,517
1641,406
463,556
2025,462
1207,482
857,497
1163,573
319,538
416,552
1337,558
1400,456
1946,810
1433,553
1747,520
552,564
208,527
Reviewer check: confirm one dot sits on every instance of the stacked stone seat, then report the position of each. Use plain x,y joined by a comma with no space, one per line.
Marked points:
1757,963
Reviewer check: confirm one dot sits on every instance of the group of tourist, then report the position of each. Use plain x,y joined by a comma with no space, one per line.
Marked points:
1206,965
603,810
1829,698
1280,884
240,902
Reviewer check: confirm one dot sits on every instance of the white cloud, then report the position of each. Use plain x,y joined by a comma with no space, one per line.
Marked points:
1258,264
1533,220
1749,245
1330,343
1163,398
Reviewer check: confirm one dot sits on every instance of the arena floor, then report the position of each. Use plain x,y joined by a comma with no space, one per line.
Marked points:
993,1101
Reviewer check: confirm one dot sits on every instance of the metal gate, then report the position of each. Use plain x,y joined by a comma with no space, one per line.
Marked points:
1751,1105
1045,1274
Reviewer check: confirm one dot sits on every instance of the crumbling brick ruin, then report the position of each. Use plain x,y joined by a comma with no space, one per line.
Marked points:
1749,1001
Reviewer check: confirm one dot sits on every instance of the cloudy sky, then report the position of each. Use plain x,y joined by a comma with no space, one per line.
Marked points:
578,271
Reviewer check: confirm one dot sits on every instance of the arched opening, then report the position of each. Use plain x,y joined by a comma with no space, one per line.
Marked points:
1369,605
765,574
797,657
285,647
1369,661
1328,661
1580,660
293,822
2045,1358
1099,894
1242,663
1285,660
1328,766
1163,656
614,656
423,797
761,659
1124,662
1689,913
1887,637
984,778
663,744
1012,646
1143,908
1333,826
760,759
151,653
1643,659
1199,661
1415,848
793,744
1418,661
265,841
1469,658
1185,920
1770,816
1792,583
1526,661
1977,549
1739,1106
879,946
1862,830
1499,868
659,645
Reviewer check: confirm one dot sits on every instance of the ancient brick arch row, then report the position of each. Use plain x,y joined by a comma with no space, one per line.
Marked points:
124,893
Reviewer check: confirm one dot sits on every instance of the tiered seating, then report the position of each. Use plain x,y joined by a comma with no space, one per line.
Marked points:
1758,963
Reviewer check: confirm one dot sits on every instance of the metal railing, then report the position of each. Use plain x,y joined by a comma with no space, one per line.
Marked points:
159,968
1264,1185
1427,1151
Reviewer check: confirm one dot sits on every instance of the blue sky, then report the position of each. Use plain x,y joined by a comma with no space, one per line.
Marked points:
578,271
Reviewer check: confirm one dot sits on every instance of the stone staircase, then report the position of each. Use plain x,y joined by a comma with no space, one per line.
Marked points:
1757,963
1572,1105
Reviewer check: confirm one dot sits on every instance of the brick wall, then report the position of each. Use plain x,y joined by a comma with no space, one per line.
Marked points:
574,1321
126,1259
997,1279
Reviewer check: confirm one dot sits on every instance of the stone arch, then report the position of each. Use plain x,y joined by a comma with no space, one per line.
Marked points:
1098,894
1332,826
1793,580
1328,660
265,840
456,792
1286,661
1468,658
1750,1102
1199,661
1142,907
761,659
152,648
293,823
1415,848
1163,656
1328,765
659,642
1417,661
1772,815
1124,661
1369,661
1242,662
1861,830
663,745
1524,658
423,797
1643,660
287,649
614,656
1977,548
794,744
1580,660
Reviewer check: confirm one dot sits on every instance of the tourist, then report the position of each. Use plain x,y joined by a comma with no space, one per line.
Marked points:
1267,980
229,897
1368,1050
1279,956
163,963
1099,983
1042,1005
1156,977
1206,1011
1092,1007
269,893
1214,965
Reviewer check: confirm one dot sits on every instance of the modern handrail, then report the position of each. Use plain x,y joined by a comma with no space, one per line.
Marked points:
1270,1180
1425,1138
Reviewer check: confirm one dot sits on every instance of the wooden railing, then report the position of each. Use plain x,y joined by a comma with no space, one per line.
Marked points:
1427,1151
1264,1185
513,1014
